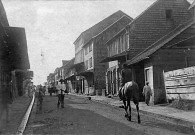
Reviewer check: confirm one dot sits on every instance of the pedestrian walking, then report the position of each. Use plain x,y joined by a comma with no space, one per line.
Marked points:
60,92
40,96
147,92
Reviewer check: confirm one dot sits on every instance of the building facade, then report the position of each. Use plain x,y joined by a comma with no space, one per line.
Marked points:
93,50
166,17
14,56
159,19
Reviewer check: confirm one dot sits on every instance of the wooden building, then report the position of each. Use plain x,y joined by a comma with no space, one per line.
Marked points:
162,17
90,50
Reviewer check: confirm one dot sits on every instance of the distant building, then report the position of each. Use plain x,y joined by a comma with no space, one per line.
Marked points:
50,80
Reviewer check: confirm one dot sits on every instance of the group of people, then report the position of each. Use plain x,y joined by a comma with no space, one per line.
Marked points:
126,76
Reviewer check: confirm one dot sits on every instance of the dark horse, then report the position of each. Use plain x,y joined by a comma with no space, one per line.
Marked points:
130,91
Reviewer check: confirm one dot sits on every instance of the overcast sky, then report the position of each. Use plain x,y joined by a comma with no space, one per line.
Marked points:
52,26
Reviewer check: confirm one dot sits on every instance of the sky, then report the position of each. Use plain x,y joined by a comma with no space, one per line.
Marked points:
53,25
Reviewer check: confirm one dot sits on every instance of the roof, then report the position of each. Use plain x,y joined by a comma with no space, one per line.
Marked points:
100,26
69,64
133,21
150,25
139,16
110,31
161,42
192,5
17,43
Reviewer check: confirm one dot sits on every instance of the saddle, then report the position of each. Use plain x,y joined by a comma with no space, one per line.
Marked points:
127,84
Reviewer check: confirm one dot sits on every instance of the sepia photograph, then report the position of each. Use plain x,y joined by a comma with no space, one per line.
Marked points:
97,67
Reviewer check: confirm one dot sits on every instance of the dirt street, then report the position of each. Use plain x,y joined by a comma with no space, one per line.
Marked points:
85,117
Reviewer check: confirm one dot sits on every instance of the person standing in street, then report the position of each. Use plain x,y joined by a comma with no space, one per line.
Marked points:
147,92
63,89
40,97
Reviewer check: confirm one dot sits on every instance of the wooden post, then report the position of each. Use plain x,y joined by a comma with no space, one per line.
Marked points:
165,86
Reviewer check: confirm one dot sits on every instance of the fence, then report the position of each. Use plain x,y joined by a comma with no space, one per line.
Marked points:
180,84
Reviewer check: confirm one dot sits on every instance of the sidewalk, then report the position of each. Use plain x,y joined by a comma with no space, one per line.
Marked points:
16,112
165,113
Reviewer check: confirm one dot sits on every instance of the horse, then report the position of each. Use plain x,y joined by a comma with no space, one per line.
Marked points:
130,91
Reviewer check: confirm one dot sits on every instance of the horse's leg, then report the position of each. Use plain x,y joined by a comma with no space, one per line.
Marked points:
124,102
129,105
138,117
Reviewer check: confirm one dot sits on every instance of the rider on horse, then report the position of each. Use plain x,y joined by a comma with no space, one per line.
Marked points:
126,76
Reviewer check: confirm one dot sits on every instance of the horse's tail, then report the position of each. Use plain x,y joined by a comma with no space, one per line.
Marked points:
136,93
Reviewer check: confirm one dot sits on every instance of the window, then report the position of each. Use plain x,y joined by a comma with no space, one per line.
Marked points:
116,52
90,47
115,47
124,43
121,43
127,38
108,50
86,64
86,50
90,62
168,14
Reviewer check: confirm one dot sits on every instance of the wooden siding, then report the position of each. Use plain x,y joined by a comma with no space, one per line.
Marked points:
152,24
100,51
180,84
119,45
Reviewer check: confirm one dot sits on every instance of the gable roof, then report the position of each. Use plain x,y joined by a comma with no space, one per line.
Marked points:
113,28
100,26
69,63
145,11
161,42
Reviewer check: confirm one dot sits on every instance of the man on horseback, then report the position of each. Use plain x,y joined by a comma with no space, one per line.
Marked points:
126,76
129,90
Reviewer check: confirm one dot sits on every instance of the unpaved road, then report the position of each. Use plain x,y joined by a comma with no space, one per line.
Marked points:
85,117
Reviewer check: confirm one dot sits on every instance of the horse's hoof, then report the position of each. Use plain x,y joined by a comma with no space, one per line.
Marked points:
129,118
139,121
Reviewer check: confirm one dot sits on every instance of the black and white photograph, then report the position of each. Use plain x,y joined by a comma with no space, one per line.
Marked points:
97,67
